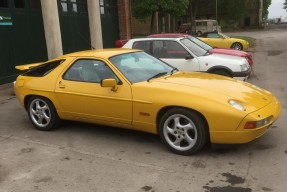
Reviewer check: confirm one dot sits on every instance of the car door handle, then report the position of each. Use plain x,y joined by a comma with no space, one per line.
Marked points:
61,85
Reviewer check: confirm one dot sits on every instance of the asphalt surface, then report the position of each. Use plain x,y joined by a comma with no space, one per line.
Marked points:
84,157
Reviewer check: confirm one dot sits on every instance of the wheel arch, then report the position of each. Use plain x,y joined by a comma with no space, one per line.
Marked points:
163,110
27,98
222,68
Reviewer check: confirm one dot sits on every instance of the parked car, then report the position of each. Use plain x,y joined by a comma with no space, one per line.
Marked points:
186,55
205,46
220,40
199,26
131,89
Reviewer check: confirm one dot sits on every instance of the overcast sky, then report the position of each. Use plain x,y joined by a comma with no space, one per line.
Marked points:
276,9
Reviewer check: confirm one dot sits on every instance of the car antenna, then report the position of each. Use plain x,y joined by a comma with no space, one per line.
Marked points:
86,40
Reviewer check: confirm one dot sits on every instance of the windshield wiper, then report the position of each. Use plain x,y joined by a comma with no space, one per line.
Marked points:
173,70
157,75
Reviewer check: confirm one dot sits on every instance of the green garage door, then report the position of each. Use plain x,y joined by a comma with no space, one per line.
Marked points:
74,22
22,36
110,22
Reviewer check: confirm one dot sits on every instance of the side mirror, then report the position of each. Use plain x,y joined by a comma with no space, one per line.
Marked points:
110,83
188,57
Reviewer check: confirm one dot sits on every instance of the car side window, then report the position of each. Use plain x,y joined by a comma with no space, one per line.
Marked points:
214,35
142,45
159,49
175,50
168,49
89,70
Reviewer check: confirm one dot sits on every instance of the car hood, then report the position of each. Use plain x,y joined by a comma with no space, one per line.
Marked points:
220,59
217,87
230,52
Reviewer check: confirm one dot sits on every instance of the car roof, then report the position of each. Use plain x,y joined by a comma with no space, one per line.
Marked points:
169,35
104,53
156,38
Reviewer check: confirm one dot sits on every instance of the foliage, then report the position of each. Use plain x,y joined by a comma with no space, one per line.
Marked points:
266,4
147,8
144,9
236,9
285,5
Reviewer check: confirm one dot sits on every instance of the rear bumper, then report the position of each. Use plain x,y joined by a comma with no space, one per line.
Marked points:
241,135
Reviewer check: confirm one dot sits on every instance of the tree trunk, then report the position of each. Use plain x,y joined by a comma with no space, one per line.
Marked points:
152,23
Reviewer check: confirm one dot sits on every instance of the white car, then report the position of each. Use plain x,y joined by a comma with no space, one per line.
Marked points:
185,55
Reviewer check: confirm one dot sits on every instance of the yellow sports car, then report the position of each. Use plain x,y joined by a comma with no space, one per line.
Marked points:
220,40
130,89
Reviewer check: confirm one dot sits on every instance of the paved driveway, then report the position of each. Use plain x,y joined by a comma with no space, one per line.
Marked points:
83,157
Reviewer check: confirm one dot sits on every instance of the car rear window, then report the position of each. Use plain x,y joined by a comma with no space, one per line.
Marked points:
43,69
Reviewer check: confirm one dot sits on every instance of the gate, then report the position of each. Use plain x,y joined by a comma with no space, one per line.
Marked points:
22,36
74,23
110,23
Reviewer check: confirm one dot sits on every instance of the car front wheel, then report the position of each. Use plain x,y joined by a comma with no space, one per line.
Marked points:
237,46
183,131
42,113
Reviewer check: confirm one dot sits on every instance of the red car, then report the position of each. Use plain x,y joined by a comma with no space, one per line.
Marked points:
248,56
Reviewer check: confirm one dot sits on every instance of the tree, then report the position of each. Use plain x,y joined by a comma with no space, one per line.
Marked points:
148,8
285,5
266,4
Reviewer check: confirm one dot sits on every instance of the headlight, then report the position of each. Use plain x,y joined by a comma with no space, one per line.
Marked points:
236,105
256,124
244,67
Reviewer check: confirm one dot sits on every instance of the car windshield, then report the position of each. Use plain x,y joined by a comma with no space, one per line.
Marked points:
223,35
193,47
140,66
200,43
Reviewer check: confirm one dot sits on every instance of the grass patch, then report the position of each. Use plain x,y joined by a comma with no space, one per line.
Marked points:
249,39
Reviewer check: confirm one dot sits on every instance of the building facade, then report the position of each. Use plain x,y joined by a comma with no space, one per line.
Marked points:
37,30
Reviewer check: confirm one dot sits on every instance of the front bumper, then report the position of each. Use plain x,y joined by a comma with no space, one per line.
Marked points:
241,135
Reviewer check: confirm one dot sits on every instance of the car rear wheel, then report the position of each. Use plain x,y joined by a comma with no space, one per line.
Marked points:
183,131
43,114
237,46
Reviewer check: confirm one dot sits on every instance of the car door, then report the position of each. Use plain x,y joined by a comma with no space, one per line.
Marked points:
173,53
81,96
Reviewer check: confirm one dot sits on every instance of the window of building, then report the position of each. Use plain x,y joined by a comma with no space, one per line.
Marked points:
19,4
108,7
74,6
64,5
3,3
35,5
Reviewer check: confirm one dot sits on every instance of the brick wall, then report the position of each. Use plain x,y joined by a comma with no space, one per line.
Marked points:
124,14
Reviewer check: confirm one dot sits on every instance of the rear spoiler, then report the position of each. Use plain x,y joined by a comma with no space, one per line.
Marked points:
28,66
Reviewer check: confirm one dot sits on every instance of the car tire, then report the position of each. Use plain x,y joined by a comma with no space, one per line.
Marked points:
183,131
237,46
42,113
